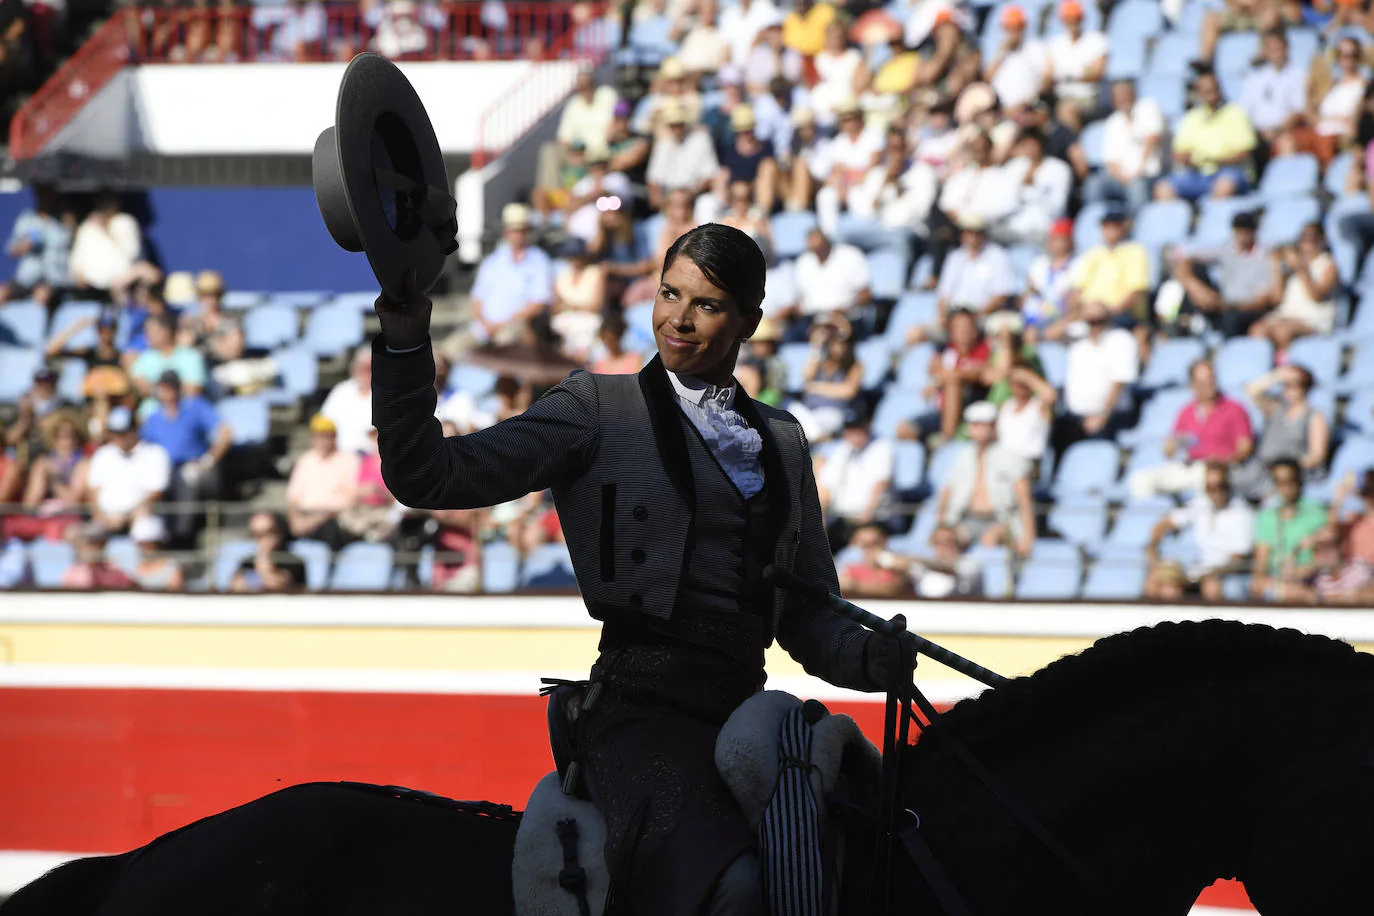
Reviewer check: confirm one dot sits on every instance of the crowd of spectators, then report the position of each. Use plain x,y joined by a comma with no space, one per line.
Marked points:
1067,297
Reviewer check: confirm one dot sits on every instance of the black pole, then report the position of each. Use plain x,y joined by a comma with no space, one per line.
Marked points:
819,594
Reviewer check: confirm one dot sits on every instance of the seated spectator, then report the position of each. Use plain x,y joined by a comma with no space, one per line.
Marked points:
614,358
1307,274
592,194
975,195
841,74
852,480
1024,418
760,370
1099,370
898,192
1114,275
1212,430
162,356
127,476
875,572
1240,16
1336,116
1357,533
832,278
1293,429
1042,190
39,402
1222,527
579,296
41,242
514,284
323,484
107,252
628,151
683,157
1018,69
832,381
844,161
53,495
1133,142
105,373
375,512
987,497
147,300
586,115
704,49
957,373
1049,282
155,572
1244,288
770,58
189,430
556,195
672,90
748,160
271,568
742,214
1274,94
207,326
1283,538
1335,579
349,404
92,571
1076,61
804,28
946,573
1212,147
977,277
801,160
457,551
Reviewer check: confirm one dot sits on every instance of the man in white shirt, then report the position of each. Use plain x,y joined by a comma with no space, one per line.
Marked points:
1132,150
1077,60
684,158
897,192
987,497
1223,529
853,481
704,48
349,405
127,476
1101,367
844,161
831,278
1274,94
978,191
741,24
1017,71
106,253
1043,185
977,275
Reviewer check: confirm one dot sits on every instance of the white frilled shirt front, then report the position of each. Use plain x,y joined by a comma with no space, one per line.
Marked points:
734,443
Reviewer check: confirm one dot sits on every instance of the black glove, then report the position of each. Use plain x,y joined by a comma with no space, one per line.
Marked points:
405,325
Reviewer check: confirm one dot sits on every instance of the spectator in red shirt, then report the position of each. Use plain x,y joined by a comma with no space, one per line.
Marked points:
91,570
956,373
871,575
1213,428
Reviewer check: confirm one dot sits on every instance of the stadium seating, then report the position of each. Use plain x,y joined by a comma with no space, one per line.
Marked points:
316,556
49,561
23,324
17,367
1117,575
362,567
248,418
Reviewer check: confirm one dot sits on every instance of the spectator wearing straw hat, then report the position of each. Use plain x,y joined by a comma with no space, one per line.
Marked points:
747,159
844,162
323,484
154,571
683,158
671,86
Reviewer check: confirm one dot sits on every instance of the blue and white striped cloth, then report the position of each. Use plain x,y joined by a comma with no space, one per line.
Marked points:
790,832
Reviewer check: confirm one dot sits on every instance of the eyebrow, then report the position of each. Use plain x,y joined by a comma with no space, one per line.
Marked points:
707,300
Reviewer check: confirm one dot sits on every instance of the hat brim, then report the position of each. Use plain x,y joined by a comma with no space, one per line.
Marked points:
381,126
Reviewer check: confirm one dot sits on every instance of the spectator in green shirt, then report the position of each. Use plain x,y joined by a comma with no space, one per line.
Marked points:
1283,537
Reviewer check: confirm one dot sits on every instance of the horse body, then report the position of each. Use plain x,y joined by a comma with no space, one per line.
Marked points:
1164,758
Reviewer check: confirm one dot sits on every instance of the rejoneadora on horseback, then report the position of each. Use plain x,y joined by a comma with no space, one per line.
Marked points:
676,489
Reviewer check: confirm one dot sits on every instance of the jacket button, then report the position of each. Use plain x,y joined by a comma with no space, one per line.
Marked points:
640,513
636,600
636,556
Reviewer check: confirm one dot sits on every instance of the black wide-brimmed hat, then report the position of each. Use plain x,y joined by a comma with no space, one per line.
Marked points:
380,180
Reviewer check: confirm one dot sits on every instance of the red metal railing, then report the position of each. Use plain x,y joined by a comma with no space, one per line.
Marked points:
590,40
401,29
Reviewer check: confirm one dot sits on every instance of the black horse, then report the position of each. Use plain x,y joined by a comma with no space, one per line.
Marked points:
1165,758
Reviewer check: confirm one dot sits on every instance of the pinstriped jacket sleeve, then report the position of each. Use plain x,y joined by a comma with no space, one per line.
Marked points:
825,644
554,440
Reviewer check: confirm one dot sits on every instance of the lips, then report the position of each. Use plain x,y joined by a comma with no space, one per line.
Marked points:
677,343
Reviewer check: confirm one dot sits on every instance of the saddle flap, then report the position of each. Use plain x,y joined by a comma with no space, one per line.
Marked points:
539,853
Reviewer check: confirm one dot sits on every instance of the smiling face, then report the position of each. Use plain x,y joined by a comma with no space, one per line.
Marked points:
697,325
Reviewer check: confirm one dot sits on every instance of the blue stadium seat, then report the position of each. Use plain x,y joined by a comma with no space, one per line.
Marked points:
1169,362
1236,587
861,232
1088,467
1087,227
1320,356
68,314
1116,576
1146,455
1303,45
897,405
995,565
267,327
17,366
1127,59
1079,519
1189,23
1179,547
887,271
794,357
639,320
1354,456
299,372
1359,413
1235,50
548,566
15,569
908,467
1163,222
500,567
362,567
1168,89
1322,399
1360,376
1171,55
316,556
122,552
922,272
49,560
1157,417
1284,219
1290,176
1047,580
875,357
943,461
1092,140
23,324
651,34
1213,228
331,330
1241,360
913,366
1021,257
231,554
71,379
477,381
362,301
913,309
1134,18
1134,524
1337,171
789,232
916,541
300,299
248,417
239,299
1054,360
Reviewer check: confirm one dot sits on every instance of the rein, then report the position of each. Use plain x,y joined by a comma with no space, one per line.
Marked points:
902,825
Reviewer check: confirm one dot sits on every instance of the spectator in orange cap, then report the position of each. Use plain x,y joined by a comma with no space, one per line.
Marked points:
1077,62
1017,71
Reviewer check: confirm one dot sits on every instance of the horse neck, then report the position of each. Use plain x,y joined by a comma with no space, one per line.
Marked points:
1154,797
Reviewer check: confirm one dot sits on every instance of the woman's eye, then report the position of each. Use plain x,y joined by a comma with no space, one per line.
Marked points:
667,294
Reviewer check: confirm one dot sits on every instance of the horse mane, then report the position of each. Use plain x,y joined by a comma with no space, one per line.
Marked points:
1128,668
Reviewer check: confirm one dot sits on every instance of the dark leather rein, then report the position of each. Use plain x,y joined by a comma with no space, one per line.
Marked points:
898,824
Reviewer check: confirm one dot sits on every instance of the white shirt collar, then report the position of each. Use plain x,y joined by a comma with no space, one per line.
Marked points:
693,390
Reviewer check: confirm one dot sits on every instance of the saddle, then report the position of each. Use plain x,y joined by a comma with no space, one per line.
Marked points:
784,761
